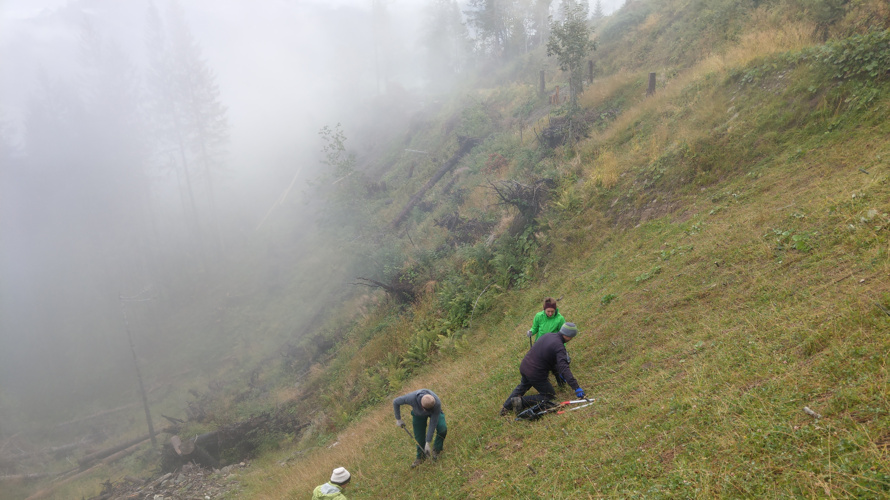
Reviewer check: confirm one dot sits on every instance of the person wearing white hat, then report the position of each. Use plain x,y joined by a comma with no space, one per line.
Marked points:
332,490
424,405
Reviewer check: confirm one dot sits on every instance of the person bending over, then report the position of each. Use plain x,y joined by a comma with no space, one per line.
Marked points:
427,418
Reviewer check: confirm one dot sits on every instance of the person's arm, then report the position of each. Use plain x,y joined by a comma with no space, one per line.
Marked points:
398,402
536,325
562,367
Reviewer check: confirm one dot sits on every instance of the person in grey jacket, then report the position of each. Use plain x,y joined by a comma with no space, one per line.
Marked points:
427,419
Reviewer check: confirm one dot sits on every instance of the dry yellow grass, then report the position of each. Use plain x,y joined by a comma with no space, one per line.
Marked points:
605,170
603,89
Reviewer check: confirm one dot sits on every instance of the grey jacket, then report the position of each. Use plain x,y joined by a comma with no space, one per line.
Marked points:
413,399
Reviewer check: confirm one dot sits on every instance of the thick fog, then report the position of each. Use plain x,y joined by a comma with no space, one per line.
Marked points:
142,145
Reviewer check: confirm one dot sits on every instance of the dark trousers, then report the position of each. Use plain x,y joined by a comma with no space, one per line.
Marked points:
419,424
542,385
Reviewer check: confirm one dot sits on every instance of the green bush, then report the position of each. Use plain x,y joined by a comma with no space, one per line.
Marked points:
859,56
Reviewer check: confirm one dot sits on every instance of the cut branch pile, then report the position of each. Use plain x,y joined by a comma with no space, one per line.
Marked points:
239,440
529,199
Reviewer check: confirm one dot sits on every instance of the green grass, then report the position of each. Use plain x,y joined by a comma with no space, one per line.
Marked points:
756,296
708,324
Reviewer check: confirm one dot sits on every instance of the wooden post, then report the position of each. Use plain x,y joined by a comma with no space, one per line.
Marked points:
651,90
590,71
541,88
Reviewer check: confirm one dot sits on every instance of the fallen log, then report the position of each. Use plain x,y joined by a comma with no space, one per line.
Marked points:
97,415
465,145
189,448
87,460
22,477
67,449
111,458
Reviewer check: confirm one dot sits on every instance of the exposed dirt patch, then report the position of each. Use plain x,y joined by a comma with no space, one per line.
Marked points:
666,457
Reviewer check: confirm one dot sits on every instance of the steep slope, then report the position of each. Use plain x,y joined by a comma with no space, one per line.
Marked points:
723,247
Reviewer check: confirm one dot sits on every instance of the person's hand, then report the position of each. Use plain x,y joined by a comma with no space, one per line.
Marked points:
529,334
428,449
400,423
579,392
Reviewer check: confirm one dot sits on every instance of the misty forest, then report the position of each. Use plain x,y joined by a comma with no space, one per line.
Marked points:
233,233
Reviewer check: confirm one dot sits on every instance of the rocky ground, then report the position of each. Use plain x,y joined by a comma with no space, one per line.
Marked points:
191,482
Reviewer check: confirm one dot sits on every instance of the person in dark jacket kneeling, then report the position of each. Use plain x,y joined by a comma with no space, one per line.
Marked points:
547,355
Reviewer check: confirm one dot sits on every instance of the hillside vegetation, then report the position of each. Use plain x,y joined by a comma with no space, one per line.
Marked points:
722,246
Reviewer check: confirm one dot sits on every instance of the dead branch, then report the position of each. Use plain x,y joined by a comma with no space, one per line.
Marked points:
174,420
400,291
529,199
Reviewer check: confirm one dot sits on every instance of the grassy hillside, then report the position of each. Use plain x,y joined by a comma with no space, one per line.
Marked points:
724,248
722,245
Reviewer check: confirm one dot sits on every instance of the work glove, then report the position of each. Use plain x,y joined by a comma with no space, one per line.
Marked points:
579,392
400,423
428,449
529,334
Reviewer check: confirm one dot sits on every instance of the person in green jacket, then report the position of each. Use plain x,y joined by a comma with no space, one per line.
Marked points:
332,490
548,321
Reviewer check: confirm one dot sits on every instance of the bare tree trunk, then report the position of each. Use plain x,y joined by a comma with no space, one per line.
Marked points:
196,223
151,429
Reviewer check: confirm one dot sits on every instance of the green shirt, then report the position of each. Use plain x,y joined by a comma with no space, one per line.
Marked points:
542,324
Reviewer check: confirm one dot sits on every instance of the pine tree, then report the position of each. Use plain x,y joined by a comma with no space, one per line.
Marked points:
446,42
189,117
598,12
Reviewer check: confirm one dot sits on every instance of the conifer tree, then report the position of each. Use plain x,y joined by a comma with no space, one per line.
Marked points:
598,12
189,119
570,42
446,42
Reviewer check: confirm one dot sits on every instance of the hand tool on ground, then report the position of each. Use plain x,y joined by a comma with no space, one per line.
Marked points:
565,404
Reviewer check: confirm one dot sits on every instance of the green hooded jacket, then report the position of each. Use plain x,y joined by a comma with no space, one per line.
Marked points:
328,491
542,324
